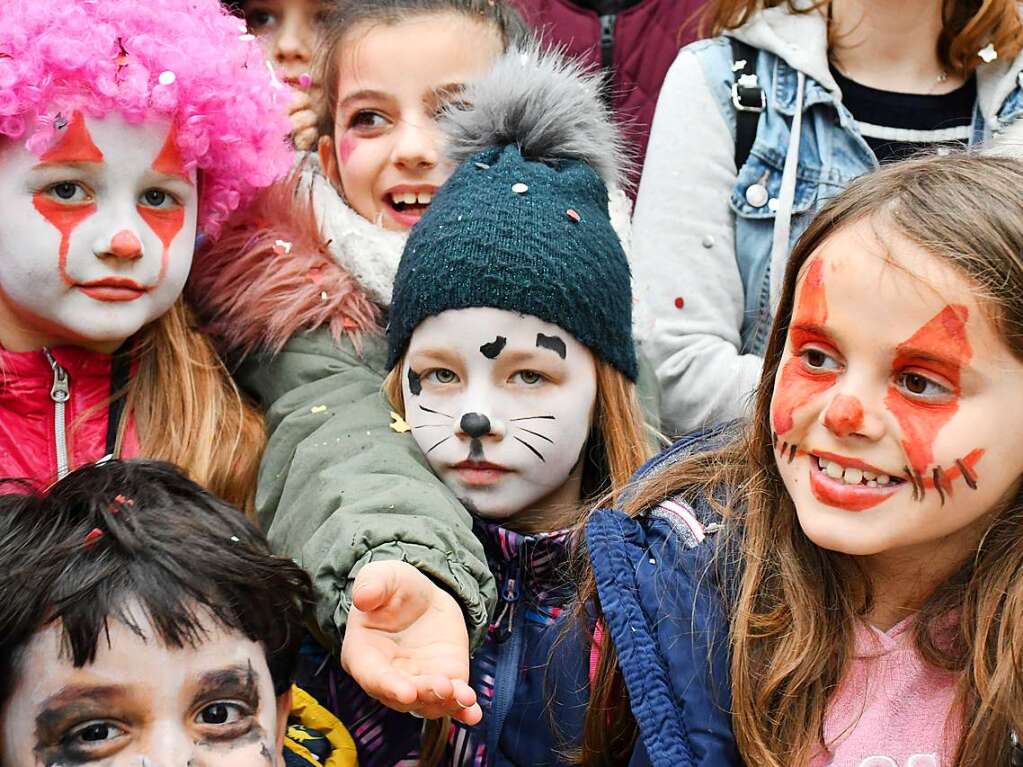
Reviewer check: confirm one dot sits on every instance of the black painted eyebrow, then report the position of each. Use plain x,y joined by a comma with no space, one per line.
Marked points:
233,681
552,343
75,702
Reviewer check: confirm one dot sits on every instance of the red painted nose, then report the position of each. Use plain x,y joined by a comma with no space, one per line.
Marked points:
844,415
126,245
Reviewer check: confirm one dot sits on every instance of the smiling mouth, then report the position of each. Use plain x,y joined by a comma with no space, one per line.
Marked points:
849,484
408,206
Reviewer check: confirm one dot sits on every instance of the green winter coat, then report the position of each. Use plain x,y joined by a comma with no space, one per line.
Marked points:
292,292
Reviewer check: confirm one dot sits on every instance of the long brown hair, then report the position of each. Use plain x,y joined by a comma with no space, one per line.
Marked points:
793,606
968,26
619,444
189,412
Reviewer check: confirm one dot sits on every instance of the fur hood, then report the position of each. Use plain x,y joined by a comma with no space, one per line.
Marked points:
296,260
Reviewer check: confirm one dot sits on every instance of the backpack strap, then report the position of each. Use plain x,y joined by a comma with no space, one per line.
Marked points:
748,98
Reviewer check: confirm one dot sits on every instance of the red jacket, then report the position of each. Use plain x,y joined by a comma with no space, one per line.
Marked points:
31,414
636,40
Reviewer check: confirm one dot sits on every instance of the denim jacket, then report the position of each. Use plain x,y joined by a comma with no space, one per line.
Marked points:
703,259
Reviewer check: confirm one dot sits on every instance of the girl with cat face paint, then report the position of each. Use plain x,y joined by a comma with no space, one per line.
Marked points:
512,370
113,156
852,595
146,622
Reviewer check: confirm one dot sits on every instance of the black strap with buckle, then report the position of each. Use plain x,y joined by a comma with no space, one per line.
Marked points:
748,98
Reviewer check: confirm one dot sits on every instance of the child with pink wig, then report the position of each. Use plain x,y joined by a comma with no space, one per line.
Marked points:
126,130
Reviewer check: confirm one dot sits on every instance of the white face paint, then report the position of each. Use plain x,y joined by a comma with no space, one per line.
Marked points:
96,235
141,703
501,405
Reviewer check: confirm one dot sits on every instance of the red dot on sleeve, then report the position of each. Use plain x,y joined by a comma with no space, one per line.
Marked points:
680,302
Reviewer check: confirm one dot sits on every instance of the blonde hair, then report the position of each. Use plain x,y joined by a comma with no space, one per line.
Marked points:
618,447
794,605
188,410
968,26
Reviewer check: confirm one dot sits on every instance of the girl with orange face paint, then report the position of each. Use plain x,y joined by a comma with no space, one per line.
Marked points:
112,160
858,590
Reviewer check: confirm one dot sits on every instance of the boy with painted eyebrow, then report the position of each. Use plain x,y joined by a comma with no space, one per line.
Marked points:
144,621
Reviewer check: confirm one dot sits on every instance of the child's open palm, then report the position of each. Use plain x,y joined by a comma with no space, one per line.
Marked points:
406,643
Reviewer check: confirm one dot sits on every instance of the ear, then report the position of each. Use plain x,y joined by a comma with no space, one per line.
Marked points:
283,710
328,160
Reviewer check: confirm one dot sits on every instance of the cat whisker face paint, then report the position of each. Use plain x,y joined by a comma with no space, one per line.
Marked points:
902,424
515,396
98,232
140,702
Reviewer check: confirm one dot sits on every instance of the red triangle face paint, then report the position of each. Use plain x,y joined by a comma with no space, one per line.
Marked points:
74,146
940,345
796,386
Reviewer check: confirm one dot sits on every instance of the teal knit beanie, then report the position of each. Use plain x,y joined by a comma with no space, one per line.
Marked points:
523,222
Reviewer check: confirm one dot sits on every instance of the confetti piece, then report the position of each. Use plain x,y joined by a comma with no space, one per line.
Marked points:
282,247
167,78
482,165
92,536
988,53
60,122
520,188
574,215
323,295
317,408
399,425
247,37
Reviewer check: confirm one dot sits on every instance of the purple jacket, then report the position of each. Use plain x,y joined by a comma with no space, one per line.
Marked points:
635,40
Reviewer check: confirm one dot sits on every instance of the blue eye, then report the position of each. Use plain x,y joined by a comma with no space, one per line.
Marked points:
157,198
68,191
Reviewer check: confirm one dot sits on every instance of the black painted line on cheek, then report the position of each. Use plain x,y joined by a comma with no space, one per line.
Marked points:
533,450
425,409
495,347
415,382
554,343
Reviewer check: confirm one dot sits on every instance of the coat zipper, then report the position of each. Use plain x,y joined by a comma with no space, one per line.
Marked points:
607,51
60,393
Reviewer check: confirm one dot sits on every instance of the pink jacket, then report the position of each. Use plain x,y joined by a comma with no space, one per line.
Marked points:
54,414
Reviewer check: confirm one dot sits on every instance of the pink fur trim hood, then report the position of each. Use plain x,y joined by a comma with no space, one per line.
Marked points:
273,272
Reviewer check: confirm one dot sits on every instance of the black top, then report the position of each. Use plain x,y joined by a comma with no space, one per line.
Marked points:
898,125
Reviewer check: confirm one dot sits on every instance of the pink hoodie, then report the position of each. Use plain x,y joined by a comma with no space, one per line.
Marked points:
892,709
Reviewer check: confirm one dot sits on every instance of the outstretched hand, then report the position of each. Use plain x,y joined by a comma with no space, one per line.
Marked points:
406,643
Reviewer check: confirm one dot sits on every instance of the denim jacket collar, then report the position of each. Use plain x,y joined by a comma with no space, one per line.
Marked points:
799,41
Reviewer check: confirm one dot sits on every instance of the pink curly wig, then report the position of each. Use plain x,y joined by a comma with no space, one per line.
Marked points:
183,60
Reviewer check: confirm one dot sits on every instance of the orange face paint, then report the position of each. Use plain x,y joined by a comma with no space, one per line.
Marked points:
64,218
844,416
75,146
169,161
940,345
796,385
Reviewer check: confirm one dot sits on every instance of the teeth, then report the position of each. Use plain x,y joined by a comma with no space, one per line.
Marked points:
851,476
424,198
412,198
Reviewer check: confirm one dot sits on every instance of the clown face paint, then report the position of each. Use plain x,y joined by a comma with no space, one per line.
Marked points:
96,236
392,81
141,703
501,403
897,408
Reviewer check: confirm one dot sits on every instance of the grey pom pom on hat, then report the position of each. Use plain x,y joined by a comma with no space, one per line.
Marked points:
523,222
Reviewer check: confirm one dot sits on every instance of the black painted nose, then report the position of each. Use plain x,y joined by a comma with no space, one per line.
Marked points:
475,425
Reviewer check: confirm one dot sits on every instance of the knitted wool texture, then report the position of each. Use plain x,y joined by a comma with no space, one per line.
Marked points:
526,236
